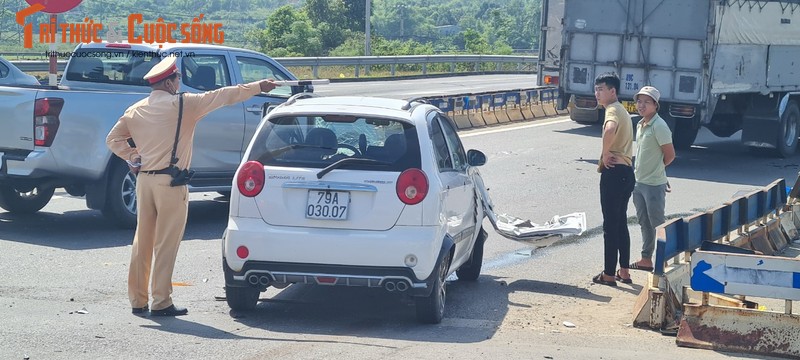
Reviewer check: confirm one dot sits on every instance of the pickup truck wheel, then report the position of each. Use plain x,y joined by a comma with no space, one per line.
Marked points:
430,309
472,270
18,202
241,298
121,198
789,130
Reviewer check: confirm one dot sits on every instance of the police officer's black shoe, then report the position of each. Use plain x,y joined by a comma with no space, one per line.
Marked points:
139,311
172,310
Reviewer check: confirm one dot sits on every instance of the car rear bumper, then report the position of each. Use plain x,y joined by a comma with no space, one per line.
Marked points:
261,274
339,249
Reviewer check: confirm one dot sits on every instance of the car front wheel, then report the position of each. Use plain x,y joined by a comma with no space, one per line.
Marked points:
472,270
430,309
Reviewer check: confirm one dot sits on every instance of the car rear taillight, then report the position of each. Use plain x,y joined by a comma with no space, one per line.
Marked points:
412,186
250,178
45,120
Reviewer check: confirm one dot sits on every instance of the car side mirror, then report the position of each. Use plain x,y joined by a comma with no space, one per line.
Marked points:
299,89
475,158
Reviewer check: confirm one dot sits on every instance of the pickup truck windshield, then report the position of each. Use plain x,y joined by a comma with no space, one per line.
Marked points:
111,66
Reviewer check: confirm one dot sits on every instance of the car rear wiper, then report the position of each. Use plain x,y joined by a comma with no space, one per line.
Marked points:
346,161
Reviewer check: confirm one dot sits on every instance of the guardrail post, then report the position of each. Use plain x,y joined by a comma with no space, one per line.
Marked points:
357,69
393,66
477,66
452,67
424,68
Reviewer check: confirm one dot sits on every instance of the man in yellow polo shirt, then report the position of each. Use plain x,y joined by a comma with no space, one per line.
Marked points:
616,181
654,151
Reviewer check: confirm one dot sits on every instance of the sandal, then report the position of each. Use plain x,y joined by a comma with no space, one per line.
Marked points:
599,280
636,266
622,279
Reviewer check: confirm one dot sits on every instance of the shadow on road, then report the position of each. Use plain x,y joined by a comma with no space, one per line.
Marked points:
178,325
89,229
473,313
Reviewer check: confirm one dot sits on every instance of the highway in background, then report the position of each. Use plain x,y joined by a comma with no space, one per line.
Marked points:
430,87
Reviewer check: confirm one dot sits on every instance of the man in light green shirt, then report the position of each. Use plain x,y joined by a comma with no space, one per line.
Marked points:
654,151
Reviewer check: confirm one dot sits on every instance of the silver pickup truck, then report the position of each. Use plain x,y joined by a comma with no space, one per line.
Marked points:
53,137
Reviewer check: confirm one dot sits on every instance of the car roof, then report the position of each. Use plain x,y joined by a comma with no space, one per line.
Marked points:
352,105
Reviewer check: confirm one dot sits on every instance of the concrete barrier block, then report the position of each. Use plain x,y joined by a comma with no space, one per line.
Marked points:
538,111
776,236
550,109
476,119
462,120
489,116
502,114
759,240
742,241
527,112
739,330
515,114
787,224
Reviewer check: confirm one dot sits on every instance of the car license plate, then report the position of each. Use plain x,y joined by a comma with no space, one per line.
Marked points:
630,106
327,205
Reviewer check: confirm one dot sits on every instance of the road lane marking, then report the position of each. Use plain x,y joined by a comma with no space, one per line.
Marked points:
510,128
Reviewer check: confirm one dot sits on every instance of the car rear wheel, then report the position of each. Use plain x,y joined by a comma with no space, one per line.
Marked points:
472,270
18,201
241,298
430,309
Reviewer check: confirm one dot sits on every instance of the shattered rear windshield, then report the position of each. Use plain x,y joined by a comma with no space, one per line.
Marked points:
316,141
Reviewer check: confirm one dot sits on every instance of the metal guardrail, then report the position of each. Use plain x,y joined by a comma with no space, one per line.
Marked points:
523,63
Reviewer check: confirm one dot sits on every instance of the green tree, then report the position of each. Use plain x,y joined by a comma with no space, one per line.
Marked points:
475,42
329,17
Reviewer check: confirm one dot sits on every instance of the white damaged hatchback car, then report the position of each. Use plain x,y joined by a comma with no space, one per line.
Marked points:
355,191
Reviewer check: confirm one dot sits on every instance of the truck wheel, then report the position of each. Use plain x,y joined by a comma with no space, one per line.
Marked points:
121,198
241,298
430,309
789,130
684,131
25,202
472,270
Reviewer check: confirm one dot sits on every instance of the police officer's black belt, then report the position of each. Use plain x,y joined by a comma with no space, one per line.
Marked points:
165,171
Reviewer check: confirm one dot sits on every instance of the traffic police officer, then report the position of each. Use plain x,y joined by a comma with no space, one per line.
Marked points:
161,208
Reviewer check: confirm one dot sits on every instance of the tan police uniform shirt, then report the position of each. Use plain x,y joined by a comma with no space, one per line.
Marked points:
152,122
622,147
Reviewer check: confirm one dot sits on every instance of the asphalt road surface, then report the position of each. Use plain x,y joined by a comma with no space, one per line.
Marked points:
64,272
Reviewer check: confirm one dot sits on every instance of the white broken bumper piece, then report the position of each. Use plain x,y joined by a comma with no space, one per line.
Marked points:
518,229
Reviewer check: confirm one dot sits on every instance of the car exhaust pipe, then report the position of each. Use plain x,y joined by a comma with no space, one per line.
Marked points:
401,286
389,286
263,280
253,279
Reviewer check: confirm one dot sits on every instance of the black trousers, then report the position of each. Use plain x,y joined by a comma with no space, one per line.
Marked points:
616,186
